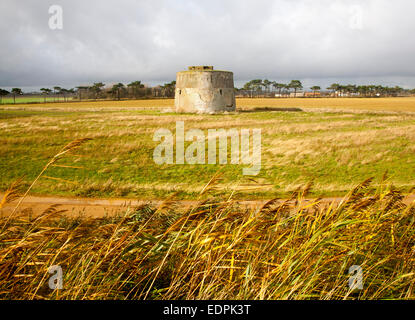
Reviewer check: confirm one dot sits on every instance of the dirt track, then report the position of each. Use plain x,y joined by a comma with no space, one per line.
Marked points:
96,208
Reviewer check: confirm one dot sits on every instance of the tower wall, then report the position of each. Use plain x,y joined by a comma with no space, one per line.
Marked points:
204,90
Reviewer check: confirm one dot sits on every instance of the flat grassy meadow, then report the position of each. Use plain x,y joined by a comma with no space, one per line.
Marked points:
333,142
32,99
366,104
288,247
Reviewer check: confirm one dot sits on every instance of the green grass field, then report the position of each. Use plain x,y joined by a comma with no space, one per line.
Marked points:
31,99
212,247
334,149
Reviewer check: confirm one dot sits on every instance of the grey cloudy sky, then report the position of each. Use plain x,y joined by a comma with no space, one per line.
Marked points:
316,41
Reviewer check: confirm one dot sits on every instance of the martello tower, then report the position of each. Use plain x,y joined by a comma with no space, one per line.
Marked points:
204,90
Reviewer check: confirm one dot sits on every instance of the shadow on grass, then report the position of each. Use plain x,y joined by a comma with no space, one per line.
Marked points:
267,109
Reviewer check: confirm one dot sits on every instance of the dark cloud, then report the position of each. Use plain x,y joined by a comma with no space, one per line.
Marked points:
110,41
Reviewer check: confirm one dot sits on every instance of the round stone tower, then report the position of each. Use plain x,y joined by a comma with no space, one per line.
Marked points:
204,90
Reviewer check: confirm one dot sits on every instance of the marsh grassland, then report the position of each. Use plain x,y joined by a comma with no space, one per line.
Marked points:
214,249
211,248
333,142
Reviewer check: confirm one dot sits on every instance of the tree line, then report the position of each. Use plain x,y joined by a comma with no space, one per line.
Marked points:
263,88
98,90
253,88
